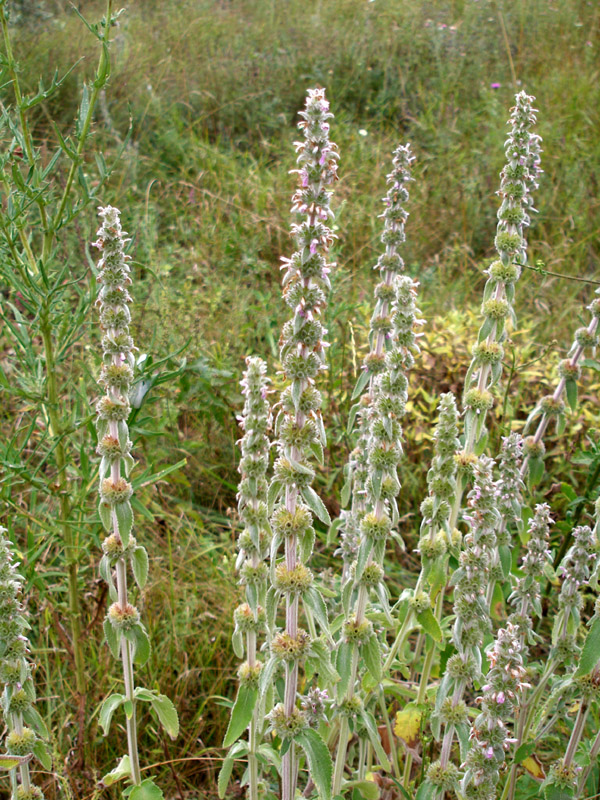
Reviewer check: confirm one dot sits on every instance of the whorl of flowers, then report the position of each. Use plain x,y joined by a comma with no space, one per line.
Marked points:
510,482
552,406
390,265
18,694
518,178
254,540
526,596
473,574
123,628
300,428
441,480
490,738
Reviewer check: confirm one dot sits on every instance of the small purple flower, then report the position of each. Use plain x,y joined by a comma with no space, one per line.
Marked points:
495,85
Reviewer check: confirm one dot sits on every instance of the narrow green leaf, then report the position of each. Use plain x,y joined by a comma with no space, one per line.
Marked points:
590,655
107,709
113,639
10,762
312,598
122,770
571,390
314,502
139,565
319,760
241,714
147,790
142,645
124,520
430,625
238,750
373,734
367,789
105,515
536,470
426,791
371,653
362,381
40,751
343,665
167,714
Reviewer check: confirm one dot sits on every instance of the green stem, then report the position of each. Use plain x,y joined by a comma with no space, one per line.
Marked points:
340,757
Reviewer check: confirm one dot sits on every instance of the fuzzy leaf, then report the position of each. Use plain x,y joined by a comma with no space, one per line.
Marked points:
10,762
241,714
368,790
113,639
313,600
343,665
139,565
505,560
536,470
141,643
524,751
124,516
273,494
426,791
367,720
590,655
40,751
319,760
167,714
147,790
122,770
237,640
105,571
362,381
554,792
363,555
351,417
108,708
571,390
239,750
314,502
430,625
371,653
105,515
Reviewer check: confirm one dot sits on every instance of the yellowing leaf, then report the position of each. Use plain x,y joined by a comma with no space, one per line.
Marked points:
408,725
534,767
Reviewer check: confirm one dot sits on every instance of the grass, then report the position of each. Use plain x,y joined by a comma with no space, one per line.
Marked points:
212,90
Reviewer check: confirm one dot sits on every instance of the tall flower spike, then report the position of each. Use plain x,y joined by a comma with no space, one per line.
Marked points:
518,178
390,265
393,343
490,738
575,569
254,543
472,620
18,697
299,426
124,631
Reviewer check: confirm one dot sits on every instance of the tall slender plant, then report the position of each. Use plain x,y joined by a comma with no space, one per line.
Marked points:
123,628
26,730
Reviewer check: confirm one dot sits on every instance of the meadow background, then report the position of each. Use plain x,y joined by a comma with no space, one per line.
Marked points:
204,97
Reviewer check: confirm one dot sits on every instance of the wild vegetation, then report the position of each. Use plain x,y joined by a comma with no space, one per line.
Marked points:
186,122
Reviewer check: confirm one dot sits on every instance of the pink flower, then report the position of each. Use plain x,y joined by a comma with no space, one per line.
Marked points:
495,85
500,698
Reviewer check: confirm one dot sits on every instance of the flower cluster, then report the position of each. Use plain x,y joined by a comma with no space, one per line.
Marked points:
254,540
473,574
510,482
387,315
489,738
526,596
18,696
441,480
575,569
300,428
518,178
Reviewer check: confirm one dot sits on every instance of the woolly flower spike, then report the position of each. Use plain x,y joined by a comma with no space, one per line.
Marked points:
254,541
299,426
18,696
489,737
383,321
510,483
472,577
526,595
518,178
123,628
441,479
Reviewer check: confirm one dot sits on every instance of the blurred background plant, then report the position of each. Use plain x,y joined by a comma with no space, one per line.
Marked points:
195,127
